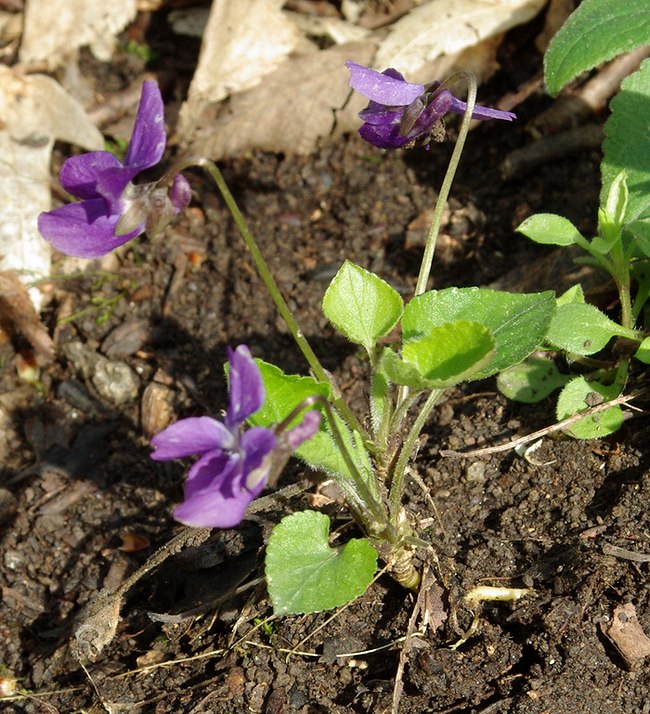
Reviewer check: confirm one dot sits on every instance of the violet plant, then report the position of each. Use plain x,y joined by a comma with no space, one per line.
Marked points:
579,330
447,337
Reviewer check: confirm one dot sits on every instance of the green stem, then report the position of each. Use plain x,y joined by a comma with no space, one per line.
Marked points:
407,450
365,504
434,229
445,189
267,278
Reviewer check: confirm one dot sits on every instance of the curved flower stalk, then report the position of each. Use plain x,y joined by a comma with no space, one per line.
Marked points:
113,210
234,464
402,114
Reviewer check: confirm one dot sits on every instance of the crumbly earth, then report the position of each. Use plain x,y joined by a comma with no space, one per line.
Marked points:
565,521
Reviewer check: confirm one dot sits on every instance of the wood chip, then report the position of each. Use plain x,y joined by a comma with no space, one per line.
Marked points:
626,635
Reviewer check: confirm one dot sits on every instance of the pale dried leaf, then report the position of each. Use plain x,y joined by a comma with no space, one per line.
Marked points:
11,26
243,42
442,27
300,102
333,28
54,29
34,110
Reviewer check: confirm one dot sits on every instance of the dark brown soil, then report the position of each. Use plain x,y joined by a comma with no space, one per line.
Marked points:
79,470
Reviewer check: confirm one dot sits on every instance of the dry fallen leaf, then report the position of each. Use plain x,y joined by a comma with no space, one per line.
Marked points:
445,27
53,30
627,636
299,103
34,110
242,43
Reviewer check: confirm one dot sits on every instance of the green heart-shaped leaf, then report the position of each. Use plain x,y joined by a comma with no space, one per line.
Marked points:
304,574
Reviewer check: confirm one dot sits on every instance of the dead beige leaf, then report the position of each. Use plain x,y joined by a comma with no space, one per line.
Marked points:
445,27
627,636
34,110
243,42
53,30
296,105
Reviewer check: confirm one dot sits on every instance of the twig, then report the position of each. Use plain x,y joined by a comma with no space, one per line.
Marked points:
569,421
551,148
625,554
572,108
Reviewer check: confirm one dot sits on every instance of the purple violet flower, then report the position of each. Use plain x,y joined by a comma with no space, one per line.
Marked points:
234,465
401,114
113,210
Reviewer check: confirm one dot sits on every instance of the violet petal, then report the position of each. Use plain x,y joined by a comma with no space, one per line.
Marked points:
216,469
381,114
256,443
246,388
195,435
305,430
111,184
383,88
180,194
79,174
383,137
83,229
479,112
221,504
148,139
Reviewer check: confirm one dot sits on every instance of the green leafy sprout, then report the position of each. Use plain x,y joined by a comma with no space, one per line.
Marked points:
621,247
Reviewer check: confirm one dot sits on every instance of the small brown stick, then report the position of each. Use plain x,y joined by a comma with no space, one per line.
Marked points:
625,554
558,131
569,421
572,108
551,148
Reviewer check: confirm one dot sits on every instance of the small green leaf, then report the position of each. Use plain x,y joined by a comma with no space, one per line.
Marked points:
641,231
611,215
518,322
304,574
450,353
626,144
574,294
643,353
361,305
550,229
580,395
531,381
284,392
611,26
400,372
583,329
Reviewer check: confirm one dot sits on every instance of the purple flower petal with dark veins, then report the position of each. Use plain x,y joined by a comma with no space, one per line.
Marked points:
233,464
246,389
149,137
388,87
196,435
88,229
83,229
403,114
